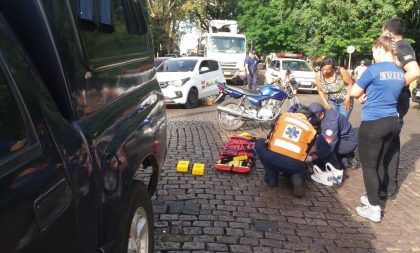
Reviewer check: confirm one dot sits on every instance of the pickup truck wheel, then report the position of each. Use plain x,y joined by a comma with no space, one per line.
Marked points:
136,227
192,99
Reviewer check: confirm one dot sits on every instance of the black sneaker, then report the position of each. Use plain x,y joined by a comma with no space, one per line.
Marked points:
270,183
388,196
298,187
353,163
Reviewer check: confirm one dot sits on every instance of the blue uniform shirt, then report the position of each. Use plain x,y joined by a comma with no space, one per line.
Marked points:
335,126
382,83
252,63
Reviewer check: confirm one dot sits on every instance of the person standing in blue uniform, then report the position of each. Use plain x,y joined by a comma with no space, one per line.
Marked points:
337,131
293,142
251,69
407,60
379,86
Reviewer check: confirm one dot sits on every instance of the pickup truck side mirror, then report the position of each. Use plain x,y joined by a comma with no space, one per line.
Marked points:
204,69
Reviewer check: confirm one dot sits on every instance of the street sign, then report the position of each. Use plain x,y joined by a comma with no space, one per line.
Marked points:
350,50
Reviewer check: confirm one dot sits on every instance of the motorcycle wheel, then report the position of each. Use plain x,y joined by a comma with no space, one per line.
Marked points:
228,121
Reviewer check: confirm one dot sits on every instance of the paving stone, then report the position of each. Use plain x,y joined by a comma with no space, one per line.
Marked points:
204,238
216,247
238,225
262,249
268,226
193,230
253,234
248,241
194,246
226,239
181,223
234,232
271,243
241,248
222,224
167,245
275,236
213,231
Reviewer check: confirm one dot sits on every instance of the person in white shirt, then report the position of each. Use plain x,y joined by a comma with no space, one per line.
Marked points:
359,70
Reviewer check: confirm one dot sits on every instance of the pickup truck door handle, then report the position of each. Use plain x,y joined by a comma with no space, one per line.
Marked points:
51,204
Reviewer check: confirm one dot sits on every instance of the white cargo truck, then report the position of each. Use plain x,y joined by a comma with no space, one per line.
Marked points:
223,43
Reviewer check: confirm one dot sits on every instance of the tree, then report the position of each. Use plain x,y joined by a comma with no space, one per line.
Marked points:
167,15
165,18
267,23
317,27
412,22
201,12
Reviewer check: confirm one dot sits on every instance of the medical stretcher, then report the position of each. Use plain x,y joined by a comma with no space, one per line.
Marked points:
237,155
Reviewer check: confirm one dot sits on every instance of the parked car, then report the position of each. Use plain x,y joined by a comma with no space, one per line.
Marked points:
159,60
415,95
301,71
185,80
82,127
172,55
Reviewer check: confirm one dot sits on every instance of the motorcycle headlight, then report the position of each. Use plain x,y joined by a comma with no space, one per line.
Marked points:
178,83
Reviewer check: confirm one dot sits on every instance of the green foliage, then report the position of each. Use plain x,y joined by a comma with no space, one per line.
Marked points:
312,27
318,27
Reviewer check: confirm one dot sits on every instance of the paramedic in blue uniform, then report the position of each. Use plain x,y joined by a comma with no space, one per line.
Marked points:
318,151
337,131
251,69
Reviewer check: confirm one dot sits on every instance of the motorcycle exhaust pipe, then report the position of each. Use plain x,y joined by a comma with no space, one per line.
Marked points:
236,113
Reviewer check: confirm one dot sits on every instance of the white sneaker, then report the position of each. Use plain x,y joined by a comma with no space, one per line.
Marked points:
364,200
322,177
337,175
372,213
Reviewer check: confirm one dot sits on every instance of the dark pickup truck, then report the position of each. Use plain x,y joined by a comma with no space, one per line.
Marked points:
82,126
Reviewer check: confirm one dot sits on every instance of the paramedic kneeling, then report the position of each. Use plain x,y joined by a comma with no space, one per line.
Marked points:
338,132
293,142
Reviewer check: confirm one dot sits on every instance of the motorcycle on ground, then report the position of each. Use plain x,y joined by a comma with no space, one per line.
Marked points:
263,105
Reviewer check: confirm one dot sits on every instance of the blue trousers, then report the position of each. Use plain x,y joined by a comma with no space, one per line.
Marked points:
252,79
345,148
339,107
274,162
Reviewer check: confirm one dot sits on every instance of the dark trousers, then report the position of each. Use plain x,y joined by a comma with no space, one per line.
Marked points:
274,163
389,176
345,149
388,172
376,144
252,79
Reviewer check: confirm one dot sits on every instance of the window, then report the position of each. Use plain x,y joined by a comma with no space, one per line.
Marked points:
177,66
296,66
121,33
227,44
12,131
213,65
204,64
277,65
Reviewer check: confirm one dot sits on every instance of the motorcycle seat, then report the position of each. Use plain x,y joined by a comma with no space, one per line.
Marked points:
244,91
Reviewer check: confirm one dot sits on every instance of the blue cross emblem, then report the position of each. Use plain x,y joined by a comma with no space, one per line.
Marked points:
292,132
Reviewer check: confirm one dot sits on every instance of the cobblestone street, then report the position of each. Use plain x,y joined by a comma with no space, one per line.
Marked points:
226,212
